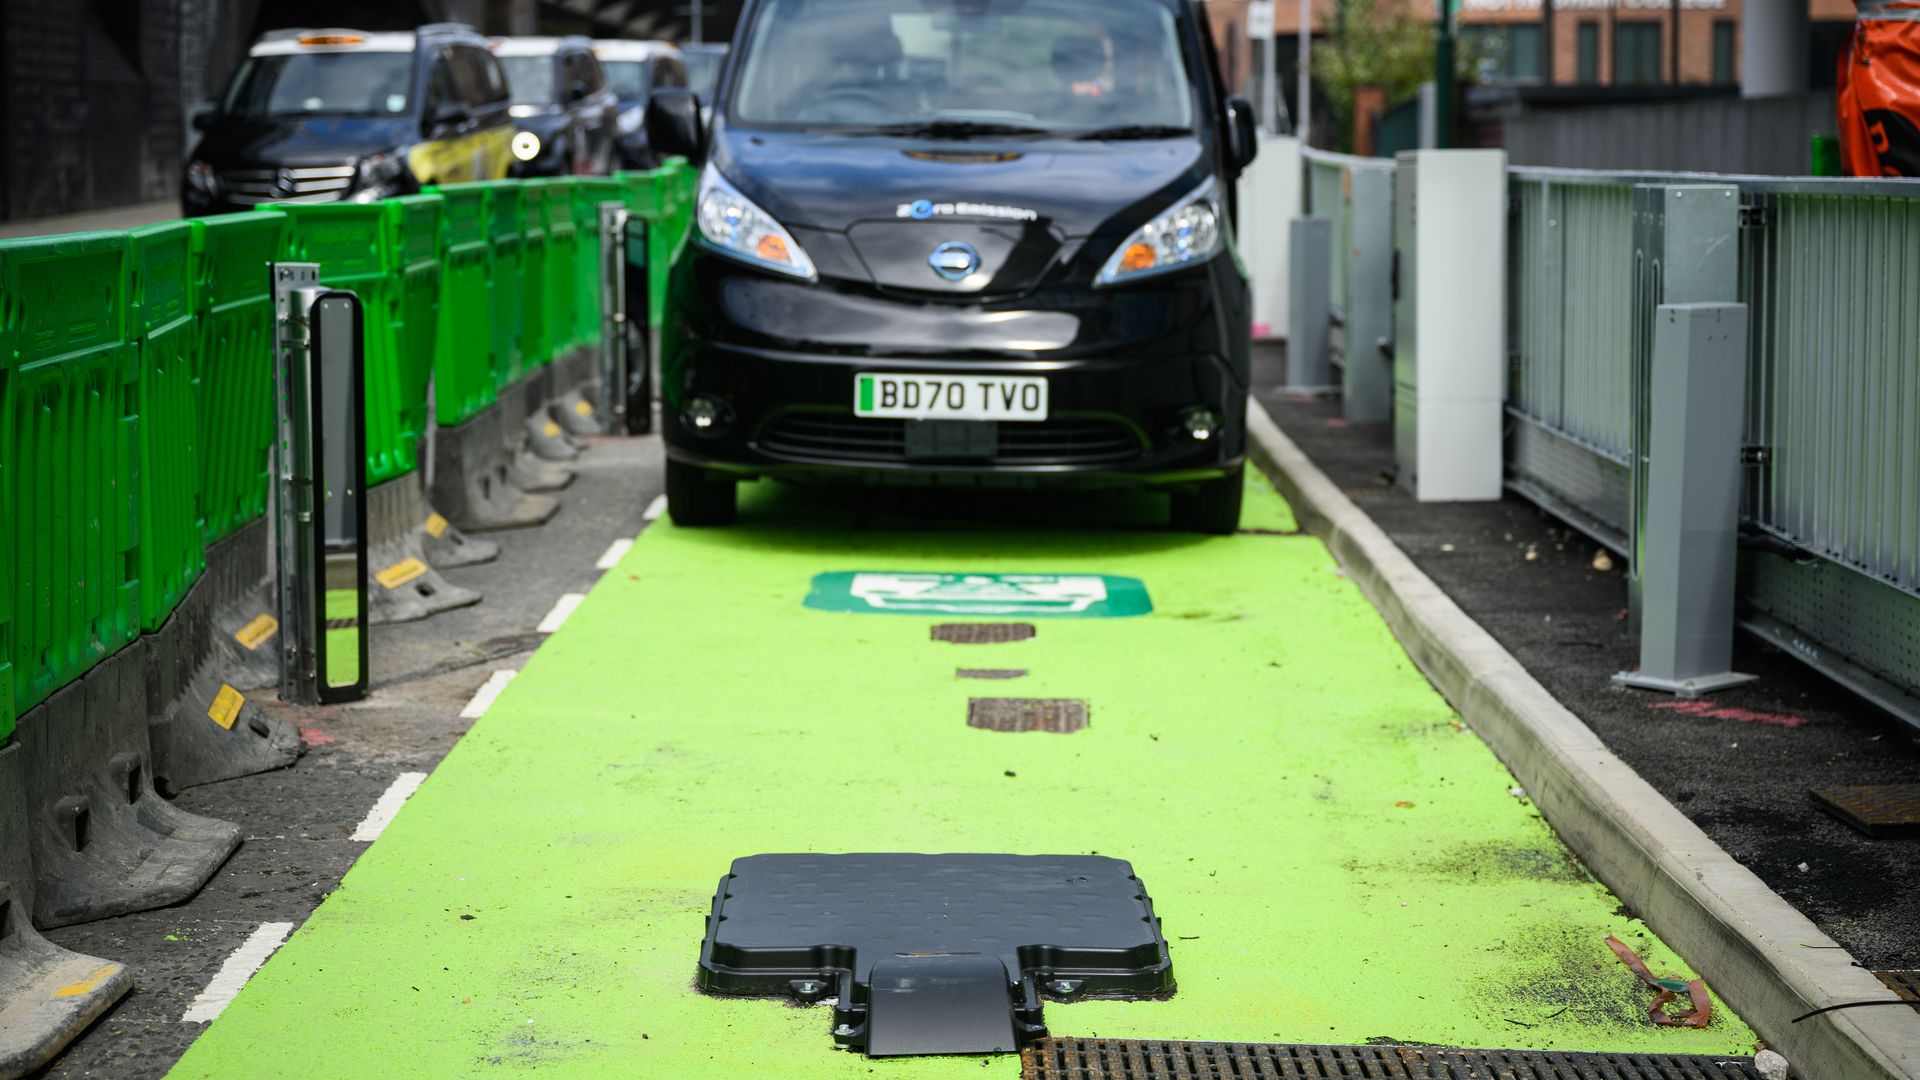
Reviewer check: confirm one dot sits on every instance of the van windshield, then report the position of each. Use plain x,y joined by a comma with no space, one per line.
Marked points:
339,83
628,78
956,67
531,78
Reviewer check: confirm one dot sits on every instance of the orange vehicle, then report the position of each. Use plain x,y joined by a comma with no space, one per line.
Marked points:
1879,91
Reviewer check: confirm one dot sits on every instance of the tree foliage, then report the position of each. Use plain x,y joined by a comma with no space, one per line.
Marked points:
1373,43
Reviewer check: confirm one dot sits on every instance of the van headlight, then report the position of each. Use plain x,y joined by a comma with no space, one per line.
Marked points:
1185,233
380,176
735,226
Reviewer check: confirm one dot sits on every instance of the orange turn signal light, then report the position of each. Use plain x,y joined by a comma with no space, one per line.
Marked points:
773,249
1137,257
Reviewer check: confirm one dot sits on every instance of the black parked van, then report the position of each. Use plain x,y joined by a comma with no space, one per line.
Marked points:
972,242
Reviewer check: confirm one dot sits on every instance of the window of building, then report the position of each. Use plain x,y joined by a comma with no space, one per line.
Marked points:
1586,53
1505,53
1636,54
1723,41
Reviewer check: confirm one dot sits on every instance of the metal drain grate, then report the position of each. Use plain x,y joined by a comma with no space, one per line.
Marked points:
1880,810
1904,983
982,633
989,673
1125,1059
1058,715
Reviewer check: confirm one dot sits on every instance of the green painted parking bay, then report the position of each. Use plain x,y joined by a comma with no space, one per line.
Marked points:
1335,860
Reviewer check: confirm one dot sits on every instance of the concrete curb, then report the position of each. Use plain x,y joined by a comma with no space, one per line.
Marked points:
1766,959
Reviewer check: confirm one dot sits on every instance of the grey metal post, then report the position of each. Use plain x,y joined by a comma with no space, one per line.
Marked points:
1774,36
1309,306
1693,501
1367,378
613,312
295,285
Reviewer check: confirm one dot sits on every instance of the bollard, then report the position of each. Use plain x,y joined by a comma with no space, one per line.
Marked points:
1309,306
1367,376
1690,533
47,994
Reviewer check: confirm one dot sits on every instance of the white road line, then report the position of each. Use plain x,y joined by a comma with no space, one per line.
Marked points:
236,971
655,508
483,697
387,806
615,552
562,608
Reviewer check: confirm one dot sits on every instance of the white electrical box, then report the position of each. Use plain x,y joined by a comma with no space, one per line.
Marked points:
1449,315
1268,193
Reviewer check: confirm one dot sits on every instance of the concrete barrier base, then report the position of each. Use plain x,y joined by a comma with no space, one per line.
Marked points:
103,841
471,481
47,994
574,394
245,608
402,582
201,726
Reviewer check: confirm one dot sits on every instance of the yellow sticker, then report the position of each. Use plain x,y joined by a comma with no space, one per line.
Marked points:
259,630
226,706
400,573
90,983
436,526
583,408
552,430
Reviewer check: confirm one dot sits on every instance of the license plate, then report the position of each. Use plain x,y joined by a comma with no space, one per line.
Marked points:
950,397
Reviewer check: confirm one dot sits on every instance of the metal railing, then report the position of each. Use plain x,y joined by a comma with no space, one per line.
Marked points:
1329,194
1831,501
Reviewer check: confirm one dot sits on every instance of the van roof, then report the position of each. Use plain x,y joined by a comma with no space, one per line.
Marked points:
535,46
628,49
330,39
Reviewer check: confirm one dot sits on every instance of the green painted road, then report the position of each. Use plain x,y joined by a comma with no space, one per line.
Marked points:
1334,858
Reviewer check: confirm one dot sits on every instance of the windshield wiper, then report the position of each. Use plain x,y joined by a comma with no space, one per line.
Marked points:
955,129
1133,131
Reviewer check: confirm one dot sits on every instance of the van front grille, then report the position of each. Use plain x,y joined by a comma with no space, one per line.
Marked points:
314,183
843,437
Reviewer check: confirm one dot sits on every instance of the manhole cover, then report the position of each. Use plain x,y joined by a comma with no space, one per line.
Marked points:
1125,1059
1904,983
990,673
1058,715
1881,810
982,633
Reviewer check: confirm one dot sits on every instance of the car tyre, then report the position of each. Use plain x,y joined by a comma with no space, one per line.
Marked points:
696,496
1213,506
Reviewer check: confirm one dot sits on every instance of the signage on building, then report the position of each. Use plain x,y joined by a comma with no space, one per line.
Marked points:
1260,19
1594,5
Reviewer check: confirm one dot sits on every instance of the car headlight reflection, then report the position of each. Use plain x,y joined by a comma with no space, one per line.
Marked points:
1185,233
735,226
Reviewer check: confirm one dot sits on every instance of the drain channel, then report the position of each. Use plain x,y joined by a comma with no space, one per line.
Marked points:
1127,1059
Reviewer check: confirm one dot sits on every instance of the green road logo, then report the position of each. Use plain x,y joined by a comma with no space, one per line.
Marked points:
1094,596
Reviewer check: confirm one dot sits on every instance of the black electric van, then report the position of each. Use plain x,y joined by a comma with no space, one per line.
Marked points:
968,242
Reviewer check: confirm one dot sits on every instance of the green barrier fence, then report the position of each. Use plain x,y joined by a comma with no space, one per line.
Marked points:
414,225
70,439
508,221
563,242
233,372
463,357
534,346
160,292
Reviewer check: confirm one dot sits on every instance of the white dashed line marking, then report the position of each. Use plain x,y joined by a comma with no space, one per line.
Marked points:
615,552
387,806
233,974
483,697
562,608
655,508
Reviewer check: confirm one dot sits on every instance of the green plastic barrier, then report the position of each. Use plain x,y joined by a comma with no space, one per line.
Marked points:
588,193
463,357
667,227
535,348
160,293
70,440
414,221
354,245
563,330
233,302
509,360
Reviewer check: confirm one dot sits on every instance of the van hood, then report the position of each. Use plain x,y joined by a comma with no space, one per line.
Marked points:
834,182
305,140
1005,213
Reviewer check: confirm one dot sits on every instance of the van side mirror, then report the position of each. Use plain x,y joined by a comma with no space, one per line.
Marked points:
1243,142
202,117
673,123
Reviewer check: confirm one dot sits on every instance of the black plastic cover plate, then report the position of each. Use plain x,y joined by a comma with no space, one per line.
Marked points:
939,1005
1066,925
